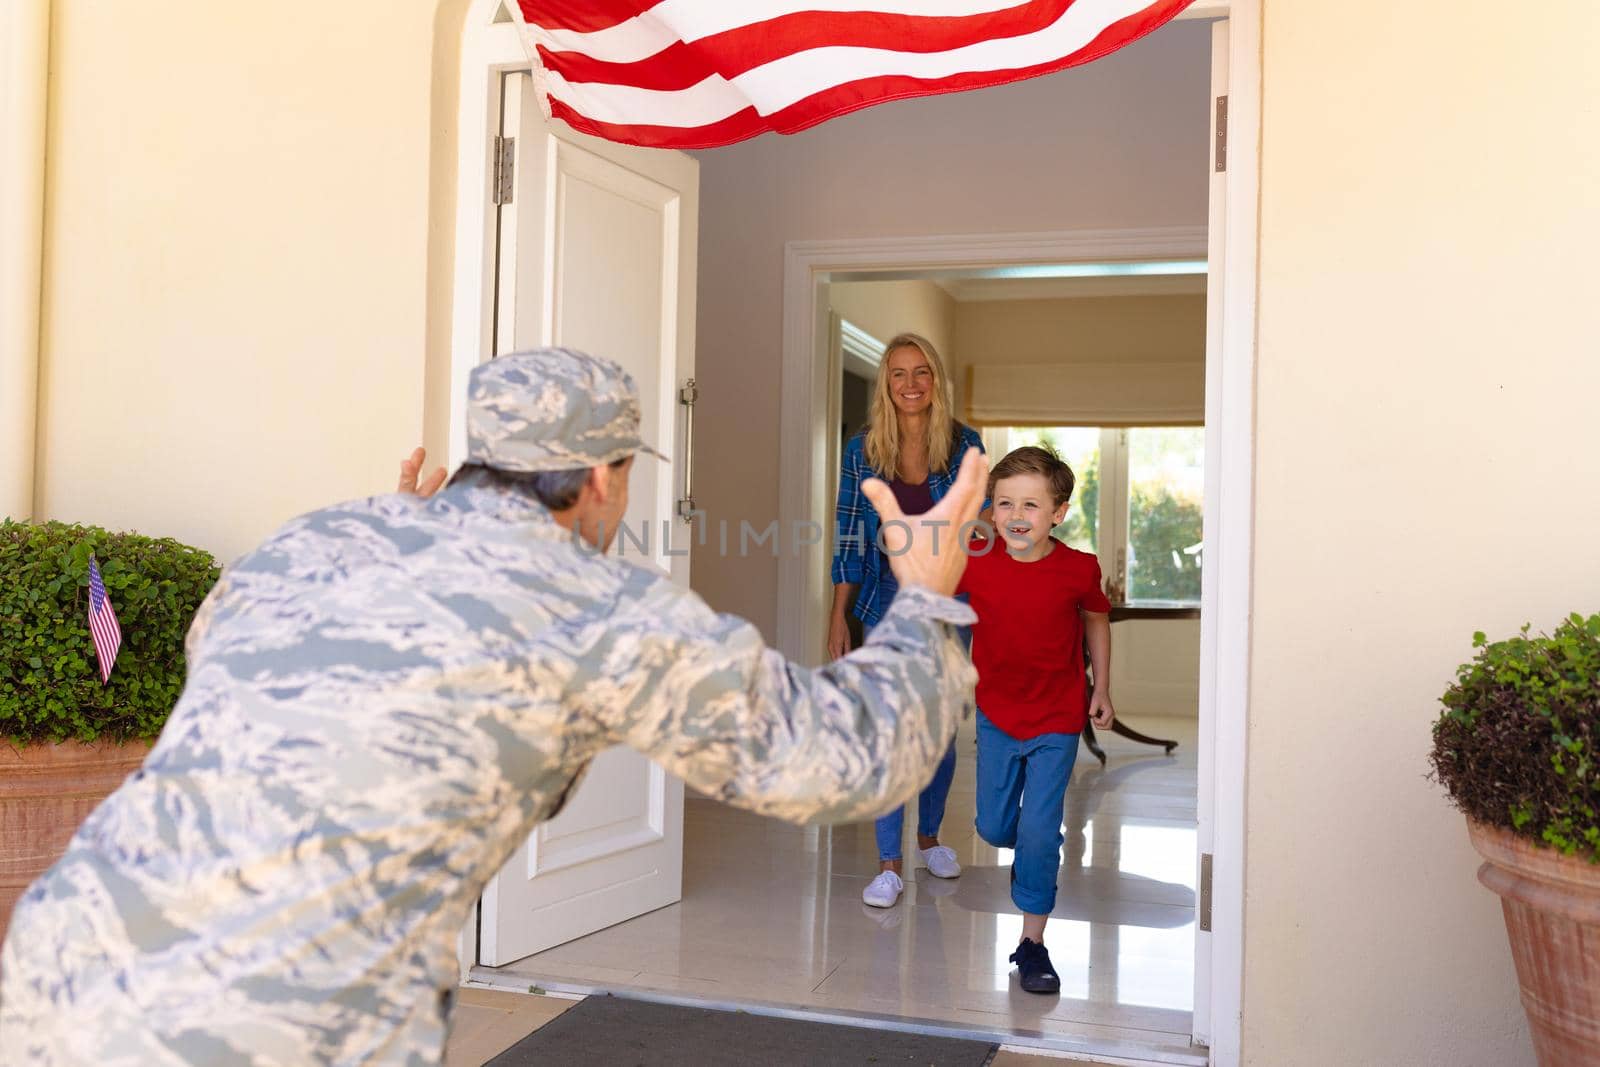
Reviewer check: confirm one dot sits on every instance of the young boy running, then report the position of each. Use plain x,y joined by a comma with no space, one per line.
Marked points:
1036,601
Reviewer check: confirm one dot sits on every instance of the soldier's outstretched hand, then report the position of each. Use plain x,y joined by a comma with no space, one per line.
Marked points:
930,549
411,468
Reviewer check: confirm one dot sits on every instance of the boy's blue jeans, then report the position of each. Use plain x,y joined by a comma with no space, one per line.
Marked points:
1022,788
930,810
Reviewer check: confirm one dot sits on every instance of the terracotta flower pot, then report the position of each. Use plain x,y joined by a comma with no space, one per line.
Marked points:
46,791
1552,909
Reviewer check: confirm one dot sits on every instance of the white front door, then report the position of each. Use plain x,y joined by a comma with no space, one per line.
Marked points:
597,252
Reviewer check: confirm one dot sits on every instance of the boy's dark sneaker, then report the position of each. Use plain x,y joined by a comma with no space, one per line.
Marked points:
1033,965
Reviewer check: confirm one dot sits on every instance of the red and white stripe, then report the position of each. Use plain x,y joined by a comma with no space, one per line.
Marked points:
701,73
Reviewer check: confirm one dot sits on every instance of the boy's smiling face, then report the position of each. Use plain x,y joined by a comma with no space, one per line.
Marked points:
1025,512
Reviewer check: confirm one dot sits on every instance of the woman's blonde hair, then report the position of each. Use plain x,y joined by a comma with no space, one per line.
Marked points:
883,427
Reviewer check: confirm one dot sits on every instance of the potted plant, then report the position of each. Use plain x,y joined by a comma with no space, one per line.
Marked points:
67,739
1518,748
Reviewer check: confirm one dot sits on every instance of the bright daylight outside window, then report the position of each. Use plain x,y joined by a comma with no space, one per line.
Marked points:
1166,470
1136,504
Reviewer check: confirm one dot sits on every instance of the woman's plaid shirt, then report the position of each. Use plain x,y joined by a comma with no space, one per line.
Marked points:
856,556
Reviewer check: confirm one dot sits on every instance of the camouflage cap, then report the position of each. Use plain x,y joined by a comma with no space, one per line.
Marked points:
552,409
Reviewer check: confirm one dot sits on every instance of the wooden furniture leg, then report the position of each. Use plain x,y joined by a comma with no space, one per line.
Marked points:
1117,726
1120,727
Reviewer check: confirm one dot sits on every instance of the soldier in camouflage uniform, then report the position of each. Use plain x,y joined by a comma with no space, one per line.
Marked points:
387,696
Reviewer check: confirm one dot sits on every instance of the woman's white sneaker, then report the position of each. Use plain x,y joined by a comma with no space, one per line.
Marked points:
883,891
941,861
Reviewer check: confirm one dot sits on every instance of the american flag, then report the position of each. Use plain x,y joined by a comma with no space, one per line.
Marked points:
702,73
103,625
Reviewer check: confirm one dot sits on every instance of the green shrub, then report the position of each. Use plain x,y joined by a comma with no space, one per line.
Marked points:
1519,741
49,680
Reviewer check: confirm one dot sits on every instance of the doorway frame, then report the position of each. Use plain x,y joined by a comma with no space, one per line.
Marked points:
1230,445
491,48
808,377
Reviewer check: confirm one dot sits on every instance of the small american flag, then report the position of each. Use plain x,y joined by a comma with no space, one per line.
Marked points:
103,625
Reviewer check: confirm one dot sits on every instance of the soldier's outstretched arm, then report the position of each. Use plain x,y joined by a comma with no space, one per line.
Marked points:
701,694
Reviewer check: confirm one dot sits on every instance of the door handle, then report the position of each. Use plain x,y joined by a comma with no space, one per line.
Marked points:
687,396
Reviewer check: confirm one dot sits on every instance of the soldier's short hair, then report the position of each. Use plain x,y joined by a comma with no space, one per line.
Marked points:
556,490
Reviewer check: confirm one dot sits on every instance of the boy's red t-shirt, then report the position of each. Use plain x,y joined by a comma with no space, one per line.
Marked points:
1028,641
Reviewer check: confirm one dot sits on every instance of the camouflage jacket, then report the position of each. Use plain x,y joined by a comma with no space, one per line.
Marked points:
382,701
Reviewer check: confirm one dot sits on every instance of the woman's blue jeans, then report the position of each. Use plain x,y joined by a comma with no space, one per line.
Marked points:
930,803
930,810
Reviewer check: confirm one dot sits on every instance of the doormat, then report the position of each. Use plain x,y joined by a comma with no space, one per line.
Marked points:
637,1033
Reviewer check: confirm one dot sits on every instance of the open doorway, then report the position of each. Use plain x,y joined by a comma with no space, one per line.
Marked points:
1226,247
772,917
808,860
1103,356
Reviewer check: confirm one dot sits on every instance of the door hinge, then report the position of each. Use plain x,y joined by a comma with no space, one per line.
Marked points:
1205,891
505,169
1222,134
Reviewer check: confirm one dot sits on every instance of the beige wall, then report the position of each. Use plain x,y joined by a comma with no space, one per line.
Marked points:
1120,143
1155,668
884,309
1125,332
1153,329
237,298
1426,467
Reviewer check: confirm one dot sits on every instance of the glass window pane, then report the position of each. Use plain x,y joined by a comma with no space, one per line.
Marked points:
1080,447
1166,474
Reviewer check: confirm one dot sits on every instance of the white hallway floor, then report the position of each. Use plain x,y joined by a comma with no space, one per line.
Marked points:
772,915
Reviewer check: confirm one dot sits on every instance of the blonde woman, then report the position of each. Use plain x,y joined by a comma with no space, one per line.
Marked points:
912,442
